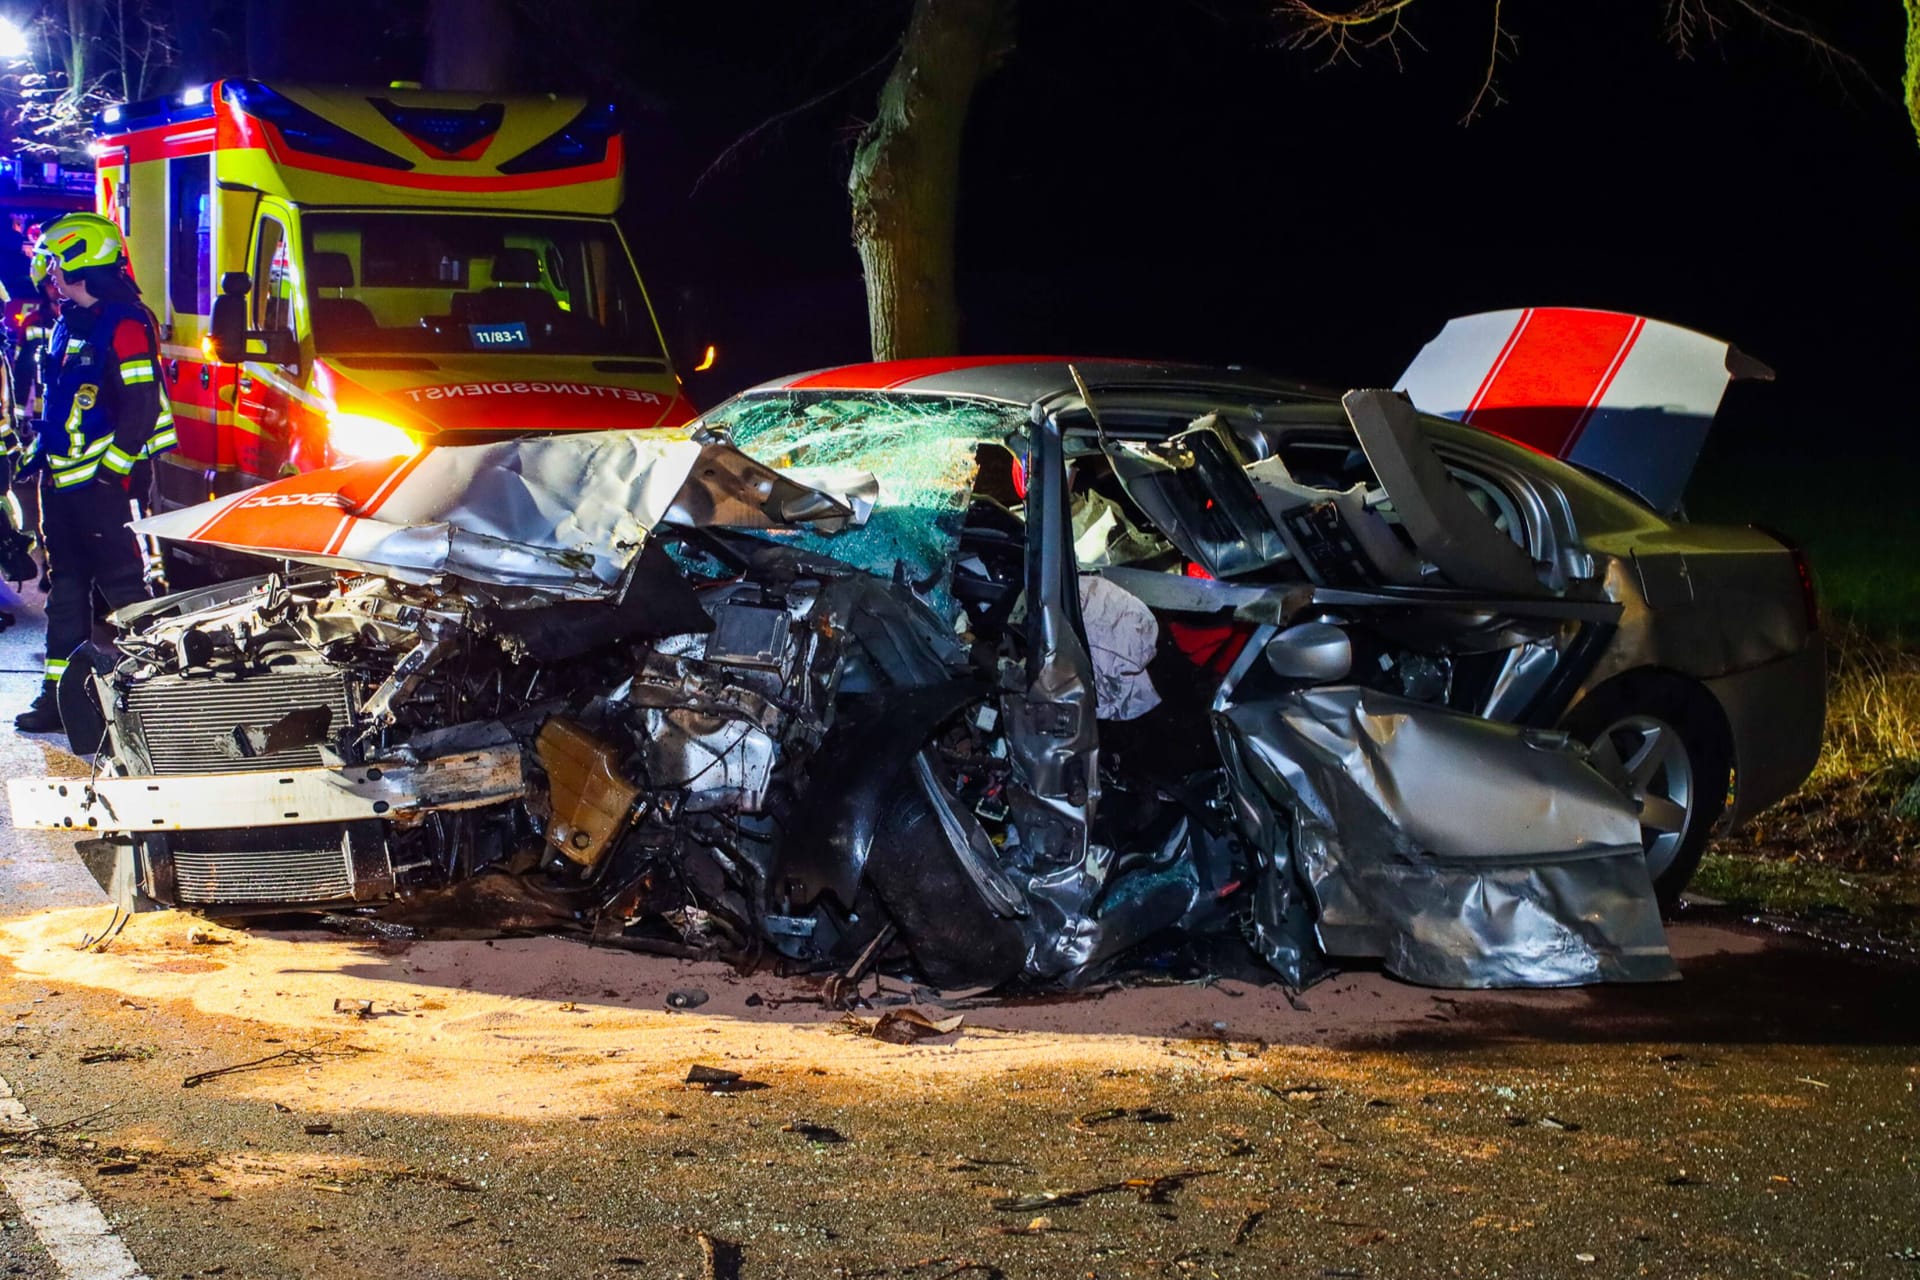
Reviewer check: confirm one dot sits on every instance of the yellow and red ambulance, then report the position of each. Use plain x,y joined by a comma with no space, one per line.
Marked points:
390,269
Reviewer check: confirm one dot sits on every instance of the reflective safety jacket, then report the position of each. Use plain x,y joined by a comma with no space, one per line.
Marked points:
105,406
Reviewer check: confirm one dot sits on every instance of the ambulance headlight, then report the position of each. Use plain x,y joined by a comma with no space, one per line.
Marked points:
355,436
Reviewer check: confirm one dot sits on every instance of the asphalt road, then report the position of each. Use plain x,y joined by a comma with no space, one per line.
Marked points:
37,869
518,1108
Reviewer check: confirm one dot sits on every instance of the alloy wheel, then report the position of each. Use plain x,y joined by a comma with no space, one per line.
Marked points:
1645,757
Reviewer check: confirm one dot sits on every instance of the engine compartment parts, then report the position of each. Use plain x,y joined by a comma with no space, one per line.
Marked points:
591,802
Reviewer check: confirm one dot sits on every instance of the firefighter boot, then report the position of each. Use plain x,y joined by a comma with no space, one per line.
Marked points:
44,715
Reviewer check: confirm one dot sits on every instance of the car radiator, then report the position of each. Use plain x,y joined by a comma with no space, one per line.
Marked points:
240,723
194,724
298,866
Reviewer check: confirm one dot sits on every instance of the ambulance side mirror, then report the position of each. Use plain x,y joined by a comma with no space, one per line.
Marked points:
227,335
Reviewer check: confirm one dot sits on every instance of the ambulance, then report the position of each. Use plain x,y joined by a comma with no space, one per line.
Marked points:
342,274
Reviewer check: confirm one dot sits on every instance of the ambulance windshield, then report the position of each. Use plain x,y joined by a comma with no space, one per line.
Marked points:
449,283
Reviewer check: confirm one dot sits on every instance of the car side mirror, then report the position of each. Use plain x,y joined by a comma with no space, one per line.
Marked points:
1315,651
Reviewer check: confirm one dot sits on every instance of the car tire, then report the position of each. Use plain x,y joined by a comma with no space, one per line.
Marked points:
1662,740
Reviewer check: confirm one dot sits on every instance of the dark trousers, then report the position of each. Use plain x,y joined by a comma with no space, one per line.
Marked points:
89,549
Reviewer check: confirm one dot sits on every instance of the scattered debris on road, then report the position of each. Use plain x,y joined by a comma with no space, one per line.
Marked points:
310,1055
907,1026
114,1053
720,1080
818,1133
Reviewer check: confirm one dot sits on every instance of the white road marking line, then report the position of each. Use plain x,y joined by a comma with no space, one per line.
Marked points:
71,1227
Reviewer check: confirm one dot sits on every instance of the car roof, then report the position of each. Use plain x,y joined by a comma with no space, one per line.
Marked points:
1024,379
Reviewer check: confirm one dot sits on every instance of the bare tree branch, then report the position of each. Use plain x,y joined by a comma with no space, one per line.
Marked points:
1346,33
720,160
1348,30
1689,22
1790,24
1487,90
98,55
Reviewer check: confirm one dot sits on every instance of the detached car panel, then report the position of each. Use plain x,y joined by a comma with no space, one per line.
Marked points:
989,669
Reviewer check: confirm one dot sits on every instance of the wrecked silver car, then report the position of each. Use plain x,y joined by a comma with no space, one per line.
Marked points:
997,670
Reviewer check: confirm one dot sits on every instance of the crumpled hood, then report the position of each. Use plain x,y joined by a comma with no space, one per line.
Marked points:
504,393
563,514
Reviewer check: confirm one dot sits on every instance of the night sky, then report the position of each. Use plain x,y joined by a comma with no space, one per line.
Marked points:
1165,180
1177,185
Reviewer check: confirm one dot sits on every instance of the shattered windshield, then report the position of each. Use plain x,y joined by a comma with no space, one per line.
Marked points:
922,450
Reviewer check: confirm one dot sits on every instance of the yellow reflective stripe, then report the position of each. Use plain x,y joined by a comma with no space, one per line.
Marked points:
139,369
93,450
56,667
67,479
73,428
116,460
161,442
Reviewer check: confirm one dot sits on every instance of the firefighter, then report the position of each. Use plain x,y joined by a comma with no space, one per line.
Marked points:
105,414
16,545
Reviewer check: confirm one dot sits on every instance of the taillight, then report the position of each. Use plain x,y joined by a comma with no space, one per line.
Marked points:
1802,570
1194,570
1809,597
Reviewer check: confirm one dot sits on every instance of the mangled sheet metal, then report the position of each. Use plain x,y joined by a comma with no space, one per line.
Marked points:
563,515
1459,852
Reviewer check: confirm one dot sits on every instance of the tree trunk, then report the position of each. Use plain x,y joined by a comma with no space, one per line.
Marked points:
81,17
469,45
905,183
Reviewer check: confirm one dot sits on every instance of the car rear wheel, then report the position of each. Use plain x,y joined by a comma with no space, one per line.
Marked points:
1659,740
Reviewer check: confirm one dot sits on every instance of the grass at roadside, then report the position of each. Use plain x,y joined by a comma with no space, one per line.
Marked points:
1849,840
1888,902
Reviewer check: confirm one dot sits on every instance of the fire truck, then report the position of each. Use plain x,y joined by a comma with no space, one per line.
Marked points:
352,273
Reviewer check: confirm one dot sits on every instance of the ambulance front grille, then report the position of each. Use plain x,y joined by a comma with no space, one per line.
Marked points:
188,723
490,435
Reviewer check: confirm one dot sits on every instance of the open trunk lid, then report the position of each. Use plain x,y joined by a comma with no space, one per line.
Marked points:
1626,397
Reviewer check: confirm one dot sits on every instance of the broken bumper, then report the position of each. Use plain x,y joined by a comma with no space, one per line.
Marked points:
282,798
